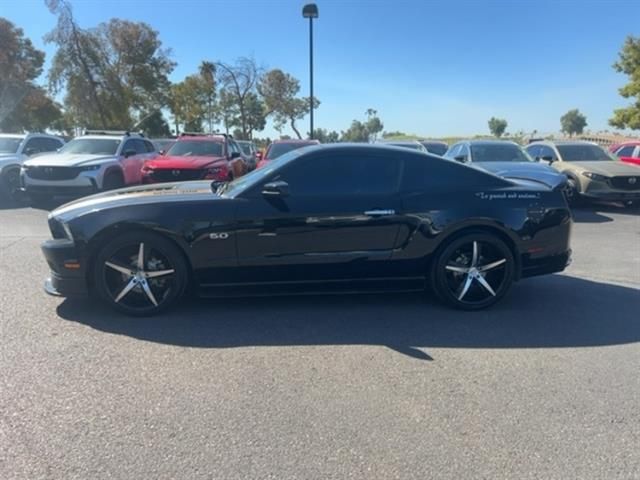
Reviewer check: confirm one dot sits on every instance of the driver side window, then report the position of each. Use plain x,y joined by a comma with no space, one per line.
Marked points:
342,175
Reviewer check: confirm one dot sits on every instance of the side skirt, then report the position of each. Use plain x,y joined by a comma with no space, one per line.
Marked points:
325,287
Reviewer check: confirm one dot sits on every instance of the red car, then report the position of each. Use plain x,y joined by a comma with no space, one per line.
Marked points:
628,152
197,157
280,147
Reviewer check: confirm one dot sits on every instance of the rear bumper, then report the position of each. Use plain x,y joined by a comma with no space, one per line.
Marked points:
545,265
64,280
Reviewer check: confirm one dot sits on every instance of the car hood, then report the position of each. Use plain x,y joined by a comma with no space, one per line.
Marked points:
603,168
524,170
7,158
194,163
141,195
65,160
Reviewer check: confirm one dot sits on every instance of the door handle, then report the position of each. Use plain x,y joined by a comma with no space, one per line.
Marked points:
379,213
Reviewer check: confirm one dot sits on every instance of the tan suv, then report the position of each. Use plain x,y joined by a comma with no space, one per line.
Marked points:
593,173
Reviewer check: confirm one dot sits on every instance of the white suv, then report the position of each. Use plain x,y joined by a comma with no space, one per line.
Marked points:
15,148
91,163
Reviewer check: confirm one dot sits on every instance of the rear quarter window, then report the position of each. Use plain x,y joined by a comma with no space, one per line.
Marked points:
432,174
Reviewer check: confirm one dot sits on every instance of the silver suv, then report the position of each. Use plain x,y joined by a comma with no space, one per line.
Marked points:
91,163
15,148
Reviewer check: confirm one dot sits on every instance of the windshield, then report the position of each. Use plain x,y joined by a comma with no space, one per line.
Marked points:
277,149
583,153
91,146
196,148
9,144
506,152
246,148
245,182
437,148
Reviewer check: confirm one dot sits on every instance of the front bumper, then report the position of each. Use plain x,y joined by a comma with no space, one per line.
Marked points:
612,196
85,183
68,271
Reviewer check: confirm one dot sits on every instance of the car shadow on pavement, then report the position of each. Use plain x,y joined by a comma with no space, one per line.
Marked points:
596,213
548,312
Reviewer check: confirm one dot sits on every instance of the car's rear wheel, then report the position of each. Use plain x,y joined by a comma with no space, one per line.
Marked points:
140,274
473,272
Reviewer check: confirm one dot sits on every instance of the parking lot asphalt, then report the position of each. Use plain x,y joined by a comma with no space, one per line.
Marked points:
544,385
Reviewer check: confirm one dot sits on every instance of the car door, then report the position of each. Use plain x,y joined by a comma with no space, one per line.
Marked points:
338,221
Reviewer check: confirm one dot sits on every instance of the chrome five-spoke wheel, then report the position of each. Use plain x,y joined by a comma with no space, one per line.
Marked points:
474,271
140,274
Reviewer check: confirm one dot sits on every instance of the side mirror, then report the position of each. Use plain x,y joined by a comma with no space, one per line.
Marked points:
129,153
161,152
460,158
259,155
547,158
30,151
275,189
235,155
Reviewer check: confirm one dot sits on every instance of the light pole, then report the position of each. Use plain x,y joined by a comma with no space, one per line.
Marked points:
310,11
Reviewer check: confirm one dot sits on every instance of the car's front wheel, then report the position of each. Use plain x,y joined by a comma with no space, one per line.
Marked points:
572,192
472,272
140,273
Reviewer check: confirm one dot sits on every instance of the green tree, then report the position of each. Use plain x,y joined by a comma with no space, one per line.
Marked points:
279,91
629,64
187,103
573,122
112,74
23,104
497,126
154,125
366,131
373,124
357,132
325,136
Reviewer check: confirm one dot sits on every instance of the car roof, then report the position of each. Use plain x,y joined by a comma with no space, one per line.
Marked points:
297,140
363,148
630,143
436,142
488,142
563,142
106,137
398,142
201,138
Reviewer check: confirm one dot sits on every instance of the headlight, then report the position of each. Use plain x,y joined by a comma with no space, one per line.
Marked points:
59,229
67,230
595,176
89,168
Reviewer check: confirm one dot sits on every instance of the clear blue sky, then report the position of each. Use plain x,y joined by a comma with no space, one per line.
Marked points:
432,68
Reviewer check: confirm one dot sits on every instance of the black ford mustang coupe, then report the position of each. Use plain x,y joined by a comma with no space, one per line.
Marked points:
332,218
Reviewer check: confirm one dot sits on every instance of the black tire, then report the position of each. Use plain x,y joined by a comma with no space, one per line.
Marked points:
112,181
572,192
159,255
10,185
451,286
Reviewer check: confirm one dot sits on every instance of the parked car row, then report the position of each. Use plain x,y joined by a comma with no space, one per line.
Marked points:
583,169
